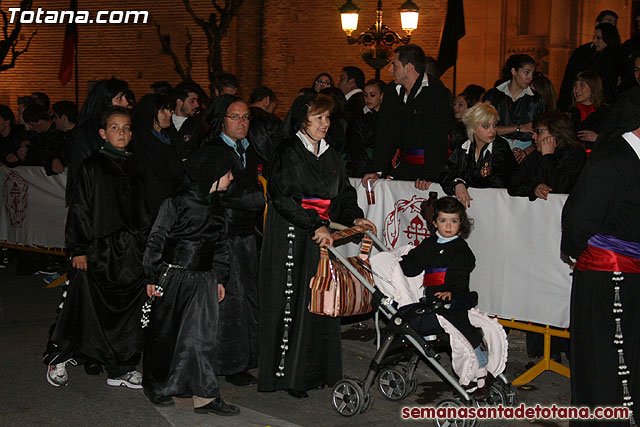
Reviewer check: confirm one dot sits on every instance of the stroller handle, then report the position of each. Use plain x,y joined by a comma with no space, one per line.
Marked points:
345,232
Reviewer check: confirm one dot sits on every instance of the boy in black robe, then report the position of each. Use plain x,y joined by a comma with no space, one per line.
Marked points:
105,235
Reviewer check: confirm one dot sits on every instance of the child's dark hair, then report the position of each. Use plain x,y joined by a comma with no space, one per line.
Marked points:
113,111
450,205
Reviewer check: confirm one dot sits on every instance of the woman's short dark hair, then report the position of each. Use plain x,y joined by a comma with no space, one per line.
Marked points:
319,104
374,82
559,125
472,94
610,34
516,62
115,110
449,205
339,101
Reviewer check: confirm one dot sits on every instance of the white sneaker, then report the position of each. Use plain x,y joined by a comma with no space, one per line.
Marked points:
57,373
132,379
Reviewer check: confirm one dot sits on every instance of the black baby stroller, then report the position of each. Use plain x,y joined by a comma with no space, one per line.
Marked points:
393,368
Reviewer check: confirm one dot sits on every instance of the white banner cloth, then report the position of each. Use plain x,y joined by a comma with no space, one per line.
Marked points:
516,242
33,210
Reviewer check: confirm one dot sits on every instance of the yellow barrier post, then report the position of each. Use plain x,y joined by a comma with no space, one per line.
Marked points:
545,364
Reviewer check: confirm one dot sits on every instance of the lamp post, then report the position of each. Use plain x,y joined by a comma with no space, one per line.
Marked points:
379,37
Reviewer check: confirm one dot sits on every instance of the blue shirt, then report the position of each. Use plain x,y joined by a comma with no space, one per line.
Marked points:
231,143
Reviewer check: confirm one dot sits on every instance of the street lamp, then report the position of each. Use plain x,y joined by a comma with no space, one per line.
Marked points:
378,37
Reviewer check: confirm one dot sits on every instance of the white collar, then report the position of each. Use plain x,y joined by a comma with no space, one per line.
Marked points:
353,92
504,88
309,145
425,83
366,109
445,239
633,141
178,121
467,146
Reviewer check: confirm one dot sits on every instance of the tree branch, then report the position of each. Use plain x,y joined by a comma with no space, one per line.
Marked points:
166,46
187,53
10,41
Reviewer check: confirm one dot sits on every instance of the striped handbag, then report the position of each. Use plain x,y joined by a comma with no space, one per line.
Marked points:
335,291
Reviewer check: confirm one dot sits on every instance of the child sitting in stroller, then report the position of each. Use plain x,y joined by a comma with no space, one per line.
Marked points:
446,261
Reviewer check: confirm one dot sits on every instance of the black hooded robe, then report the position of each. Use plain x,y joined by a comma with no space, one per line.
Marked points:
313,354
180,348
107,222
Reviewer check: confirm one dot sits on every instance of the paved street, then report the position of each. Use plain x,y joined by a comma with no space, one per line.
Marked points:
27,309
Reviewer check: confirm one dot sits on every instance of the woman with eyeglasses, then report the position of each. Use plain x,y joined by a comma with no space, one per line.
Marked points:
322,81
555,165
589,107
485,160
308,187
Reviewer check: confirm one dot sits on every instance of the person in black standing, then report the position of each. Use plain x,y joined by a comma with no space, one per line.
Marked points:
163,170
105,235
186,129
415,119
264,132
243,203
601,237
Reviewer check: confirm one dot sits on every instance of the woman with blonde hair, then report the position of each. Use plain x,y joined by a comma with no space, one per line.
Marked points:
485,160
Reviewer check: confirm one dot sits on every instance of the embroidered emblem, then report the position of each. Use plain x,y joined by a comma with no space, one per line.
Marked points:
485,171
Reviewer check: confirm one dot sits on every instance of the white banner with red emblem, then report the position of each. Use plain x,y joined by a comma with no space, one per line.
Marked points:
33,211
516,242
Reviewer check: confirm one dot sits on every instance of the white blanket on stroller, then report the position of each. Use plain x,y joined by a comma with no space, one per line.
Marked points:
408,290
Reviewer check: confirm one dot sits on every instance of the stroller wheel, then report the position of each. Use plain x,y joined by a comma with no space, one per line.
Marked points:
348,399
368,398
394,384
452,422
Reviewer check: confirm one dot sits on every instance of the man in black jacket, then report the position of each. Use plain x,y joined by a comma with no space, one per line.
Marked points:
415,119
243,203
351,83
265,126
186,129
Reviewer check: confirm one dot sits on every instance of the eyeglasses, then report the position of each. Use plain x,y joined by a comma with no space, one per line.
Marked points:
323,82
538,130
237,117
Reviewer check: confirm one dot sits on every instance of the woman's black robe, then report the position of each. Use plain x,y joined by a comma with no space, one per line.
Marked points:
107,222
313,355
180,348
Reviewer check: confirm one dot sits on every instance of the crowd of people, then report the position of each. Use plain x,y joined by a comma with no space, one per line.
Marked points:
165,204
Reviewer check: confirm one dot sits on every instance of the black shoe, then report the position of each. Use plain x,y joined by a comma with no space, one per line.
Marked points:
219,407
298,394
242,379
158,400
483,392
92,368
